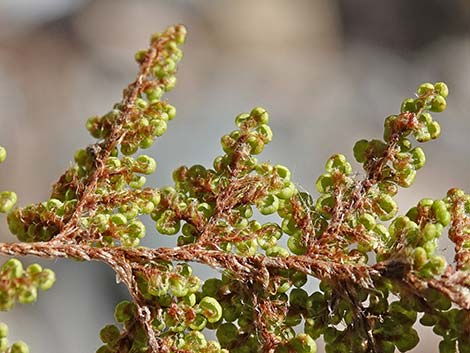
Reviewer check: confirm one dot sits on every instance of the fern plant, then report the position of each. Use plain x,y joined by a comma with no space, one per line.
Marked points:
378,270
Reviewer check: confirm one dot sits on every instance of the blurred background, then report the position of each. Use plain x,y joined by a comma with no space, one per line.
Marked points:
328,71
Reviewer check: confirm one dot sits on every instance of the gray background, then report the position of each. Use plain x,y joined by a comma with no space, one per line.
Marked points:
328,71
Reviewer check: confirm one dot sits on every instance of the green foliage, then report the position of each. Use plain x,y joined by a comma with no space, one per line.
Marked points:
379,270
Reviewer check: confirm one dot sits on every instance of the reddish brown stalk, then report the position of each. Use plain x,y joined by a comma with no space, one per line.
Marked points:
303,219
243,190
255,267
455,286
265,310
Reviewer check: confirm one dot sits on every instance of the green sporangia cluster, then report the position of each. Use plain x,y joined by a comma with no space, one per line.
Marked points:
185,309
16,283
17,347
19,284
380,271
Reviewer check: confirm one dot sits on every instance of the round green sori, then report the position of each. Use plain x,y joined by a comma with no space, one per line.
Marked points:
3,154
324,183
168,223
360,150
19,347
178,286
425,88
441,89
367,220
438,104
260,115
12,268
46,279
110,334
227,334
124,311
338,162
145,164
211,309
409,105
211,287
27,295
268,205
386,207
296,245
288,190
